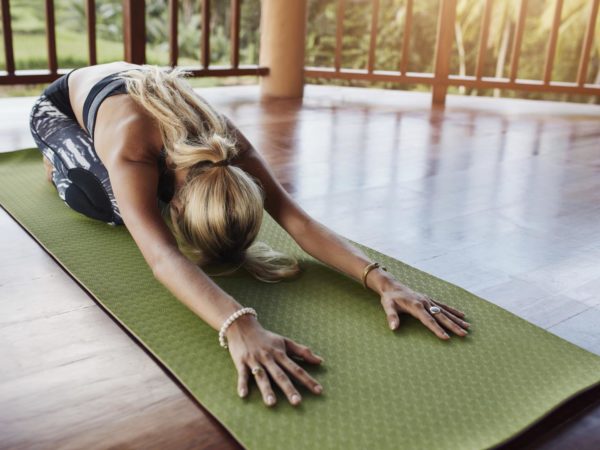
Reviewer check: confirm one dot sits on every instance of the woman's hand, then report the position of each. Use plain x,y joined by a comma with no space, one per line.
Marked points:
397,297
251,346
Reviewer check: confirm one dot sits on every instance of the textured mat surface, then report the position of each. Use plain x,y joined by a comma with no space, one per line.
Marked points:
382,389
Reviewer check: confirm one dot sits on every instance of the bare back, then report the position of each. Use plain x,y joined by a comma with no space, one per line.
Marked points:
119,120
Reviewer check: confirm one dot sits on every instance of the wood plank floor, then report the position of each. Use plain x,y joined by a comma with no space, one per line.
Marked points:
498,196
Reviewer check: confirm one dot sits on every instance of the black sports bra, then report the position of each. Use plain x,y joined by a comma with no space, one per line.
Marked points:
58,93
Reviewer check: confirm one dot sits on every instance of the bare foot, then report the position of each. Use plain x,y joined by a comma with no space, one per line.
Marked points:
49,168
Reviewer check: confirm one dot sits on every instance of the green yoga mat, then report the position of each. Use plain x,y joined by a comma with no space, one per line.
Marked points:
382,390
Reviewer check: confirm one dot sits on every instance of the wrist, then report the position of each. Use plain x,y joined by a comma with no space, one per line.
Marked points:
242,325
380,281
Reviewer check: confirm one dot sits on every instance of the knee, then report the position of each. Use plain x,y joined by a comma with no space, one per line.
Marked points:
86,195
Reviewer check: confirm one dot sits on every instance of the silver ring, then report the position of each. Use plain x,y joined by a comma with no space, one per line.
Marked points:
435,309
256,370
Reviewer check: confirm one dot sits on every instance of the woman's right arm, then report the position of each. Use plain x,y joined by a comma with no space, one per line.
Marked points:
134,184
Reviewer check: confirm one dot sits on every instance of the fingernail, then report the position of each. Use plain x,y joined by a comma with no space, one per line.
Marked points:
446,335
295,398
392,325
242,392
319,388
270,399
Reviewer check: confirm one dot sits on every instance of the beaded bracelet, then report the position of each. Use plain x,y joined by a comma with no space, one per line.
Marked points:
371,266
229,321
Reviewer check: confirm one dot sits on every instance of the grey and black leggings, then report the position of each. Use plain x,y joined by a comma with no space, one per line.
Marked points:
81,179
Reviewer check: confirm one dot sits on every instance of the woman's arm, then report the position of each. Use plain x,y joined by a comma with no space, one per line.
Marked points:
329,247
134,183
313,237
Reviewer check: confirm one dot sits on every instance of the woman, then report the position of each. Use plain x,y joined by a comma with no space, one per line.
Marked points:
167,150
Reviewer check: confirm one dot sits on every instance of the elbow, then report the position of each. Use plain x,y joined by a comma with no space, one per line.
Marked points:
162,262
157,270
303,231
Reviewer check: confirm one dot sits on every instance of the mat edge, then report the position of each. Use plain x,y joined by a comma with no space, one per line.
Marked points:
508,442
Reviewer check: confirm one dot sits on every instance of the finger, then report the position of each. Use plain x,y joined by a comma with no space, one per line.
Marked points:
392,315
449,308
450,324
242,384
461,322
263,383
303,351
283,381
427,319
300,374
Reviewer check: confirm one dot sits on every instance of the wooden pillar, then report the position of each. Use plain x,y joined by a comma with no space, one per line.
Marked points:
134,31
443,47
282,42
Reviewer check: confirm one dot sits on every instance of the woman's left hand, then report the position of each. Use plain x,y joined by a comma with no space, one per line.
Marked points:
398,298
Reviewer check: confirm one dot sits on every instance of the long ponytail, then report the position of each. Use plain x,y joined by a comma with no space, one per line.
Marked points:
222,206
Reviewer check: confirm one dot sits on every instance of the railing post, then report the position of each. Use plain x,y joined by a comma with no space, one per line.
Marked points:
90,16
51,37
134,31
8,38
443,47
282,42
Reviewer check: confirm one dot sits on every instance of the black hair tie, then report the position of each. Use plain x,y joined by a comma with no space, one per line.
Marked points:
222,163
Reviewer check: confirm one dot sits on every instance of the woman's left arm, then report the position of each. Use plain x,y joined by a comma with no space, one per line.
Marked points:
329,247
332,249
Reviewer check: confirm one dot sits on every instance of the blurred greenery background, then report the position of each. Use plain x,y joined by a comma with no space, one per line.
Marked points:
28,24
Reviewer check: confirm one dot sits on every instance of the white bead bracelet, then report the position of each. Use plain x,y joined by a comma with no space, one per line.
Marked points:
229,321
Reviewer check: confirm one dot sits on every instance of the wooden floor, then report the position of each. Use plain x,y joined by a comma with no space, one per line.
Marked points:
501,197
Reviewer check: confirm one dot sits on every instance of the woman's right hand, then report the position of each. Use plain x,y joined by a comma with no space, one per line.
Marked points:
250,346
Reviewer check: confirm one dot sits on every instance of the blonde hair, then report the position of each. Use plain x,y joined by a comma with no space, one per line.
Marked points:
222,206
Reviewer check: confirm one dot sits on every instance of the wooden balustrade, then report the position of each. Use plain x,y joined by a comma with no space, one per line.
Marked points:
440,79
134,41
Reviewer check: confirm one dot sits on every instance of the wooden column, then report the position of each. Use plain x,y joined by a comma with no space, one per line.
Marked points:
134,31
283,31
443,47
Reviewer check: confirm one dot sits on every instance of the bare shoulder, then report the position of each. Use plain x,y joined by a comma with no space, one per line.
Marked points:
82,80
125,131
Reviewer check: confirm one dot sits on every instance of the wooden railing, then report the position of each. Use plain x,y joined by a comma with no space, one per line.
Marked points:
134,39
440,79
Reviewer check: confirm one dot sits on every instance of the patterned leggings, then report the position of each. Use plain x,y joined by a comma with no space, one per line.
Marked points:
80,177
